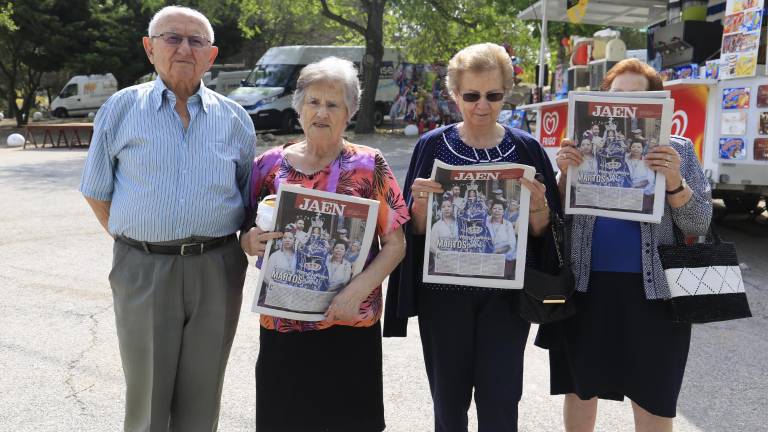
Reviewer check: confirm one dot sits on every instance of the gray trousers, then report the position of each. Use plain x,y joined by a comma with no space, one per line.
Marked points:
176,319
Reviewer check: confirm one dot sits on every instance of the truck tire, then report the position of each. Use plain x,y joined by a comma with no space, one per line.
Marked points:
290,122
60,113
741,203
378,115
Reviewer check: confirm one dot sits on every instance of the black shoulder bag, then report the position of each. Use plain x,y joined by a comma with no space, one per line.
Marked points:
547,297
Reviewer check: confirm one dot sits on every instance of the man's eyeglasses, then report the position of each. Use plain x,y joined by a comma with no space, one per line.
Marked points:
490,97
175,39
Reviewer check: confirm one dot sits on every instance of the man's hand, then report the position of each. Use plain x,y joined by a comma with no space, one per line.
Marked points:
101,210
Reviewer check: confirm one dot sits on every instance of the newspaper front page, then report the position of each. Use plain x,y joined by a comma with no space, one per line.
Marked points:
614,132
326,240
477,229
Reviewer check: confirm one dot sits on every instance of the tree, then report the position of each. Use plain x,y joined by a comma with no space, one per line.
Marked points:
269,23
435,30
117,27
373,32
44,36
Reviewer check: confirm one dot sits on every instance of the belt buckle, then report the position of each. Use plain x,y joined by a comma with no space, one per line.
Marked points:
193,252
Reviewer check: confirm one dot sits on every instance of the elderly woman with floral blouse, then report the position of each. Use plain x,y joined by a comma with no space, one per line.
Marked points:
327,376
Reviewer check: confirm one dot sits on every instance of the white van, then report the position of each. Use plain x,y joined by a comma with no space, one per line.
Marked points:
83,94
266,93
226,82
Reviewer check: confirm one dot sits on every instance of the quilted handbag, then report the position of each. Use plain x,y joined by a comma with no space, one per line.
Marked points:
704,279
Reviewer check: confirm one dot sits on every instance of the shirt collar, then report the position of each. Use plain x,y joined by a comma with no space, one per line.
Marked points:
160,90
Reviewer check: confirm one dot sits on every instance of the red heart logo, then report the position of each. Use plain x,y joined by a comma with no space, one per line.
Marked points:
550,121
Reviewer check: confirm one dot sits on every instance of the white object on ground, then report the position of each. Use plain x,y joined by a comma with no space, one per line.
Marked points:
15,140
411,130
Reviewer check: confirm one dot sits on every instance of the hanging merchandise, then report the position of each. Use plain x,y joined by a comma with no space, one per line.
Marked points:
576,10
741,38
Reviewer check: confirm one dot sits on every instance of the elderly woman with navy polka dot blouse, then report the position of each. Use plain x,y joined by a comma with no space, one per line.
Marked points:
473,338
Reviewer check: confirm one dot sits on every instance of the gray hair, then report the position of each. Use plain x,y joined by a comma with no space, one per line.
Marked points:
330,70
180,10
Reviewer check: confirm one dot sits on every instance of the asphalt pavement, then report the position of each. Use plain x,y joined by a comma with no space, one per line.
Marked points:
60,366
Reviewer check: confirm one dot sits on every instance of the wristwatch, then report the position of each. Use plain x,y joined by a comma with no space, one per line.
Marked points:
678,189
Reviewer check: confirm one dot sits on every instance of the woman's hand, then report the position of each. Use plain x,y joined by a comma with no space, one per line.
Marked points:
666,160
538,210
420,190
255,241
538,193
568,156
346,305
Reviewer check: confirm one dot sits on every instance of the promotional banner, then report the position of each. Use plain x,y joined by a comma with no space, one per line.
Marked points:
614,132
326,239
477,230
553,122
690,115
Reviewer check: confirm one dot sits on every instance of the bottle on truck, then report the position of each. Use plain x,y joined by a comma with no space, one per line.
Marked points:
267,92
83,94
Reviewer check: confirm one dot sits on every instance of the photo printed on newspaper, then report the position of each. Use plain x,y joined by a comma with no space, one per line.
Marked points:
326,240
477,229
614,132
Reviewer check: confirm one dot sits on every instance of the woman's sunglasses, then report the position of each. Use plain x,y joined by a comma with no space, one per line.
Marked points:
490,97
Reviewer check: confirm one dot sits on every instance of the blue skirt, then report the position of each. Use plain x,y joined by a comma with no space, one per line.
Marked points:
620,344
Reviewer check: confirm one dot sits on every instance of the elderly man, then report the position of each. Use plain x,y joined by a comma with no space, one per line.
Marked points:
167,176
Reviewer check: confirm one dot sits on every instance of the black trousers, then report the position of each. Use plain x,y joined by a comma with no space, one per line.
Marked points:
473,340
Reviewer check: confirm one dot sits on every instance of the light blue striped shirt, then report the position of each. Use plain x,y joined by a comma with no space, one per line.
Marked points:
165,182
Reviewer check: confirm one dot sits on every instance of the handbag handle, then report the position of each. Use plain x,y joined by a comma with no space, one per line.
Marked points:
712,236
557,226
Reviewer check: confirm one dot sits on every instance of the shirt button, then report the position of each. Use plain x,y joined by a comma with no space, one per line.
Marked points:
646,245
649,280
648,273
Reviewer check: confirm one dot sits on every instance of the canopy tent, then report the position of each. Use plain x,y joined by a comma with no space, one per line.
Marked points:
614,13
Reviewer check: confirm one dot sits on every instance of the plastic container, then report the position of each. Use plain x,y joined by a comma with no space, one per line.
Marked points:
694,10
674,13
265,213
601,39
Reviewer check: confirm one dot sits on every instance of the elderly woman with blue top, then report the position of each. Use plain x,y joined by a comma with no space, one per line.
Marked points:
621,343
473,338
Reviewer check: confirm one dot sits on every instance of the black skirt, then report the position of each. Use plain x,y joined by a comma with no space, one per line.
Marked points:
621,344
320,381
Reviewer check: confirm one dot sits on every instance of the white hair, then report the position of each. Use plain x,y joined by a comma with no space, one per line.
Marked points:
330,70
180,10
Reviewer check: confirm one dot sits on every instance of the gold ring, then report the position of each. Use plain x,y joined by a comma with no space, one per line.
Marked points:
421,194
666,164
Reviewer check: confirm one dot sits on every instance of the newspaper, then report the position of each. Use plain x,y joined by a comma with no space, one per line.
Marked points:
326,240
614,132
478,228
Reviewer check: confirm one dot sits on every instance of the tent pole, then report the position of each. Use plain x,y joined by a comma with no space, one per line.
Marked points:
543,45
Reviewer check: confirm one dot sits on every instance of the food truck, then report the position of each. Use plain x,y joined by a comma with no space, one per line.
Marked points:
719,104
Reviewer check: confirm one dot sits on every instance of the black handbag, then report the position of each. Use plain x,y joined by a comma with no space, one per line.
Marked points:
548,297
704,280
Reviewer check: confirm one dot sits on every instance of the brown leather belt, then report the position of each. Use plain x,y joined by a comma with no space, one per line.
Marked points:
186,249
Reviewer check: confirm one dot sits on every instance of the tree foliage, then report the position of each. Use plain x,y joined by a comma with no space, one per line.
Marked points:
45,34
435,30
